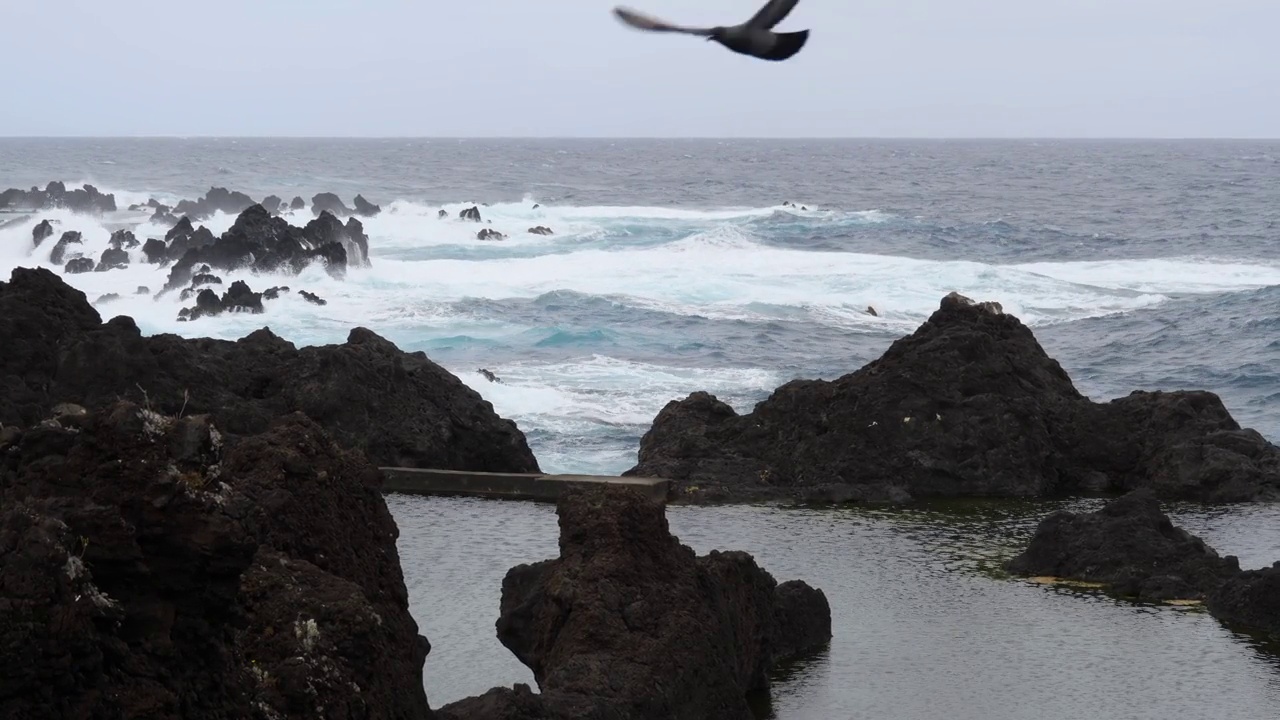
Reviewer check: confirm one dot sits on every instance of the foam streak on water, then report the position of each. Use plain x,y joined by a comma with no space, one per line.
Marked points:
588,327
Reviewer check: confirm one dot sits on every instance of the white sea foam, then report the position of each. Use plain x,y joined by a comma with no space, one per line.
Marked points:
714,264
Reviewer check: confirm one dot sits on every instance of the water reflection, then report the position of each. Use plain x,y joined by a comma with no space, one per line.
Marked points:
925,624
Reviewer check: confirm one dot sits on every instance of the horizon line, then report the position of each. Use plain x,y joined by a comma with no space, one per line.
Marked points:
791,138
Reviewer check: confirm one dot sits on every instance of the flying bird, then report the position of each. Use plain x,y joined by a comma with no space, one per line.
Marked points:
754,37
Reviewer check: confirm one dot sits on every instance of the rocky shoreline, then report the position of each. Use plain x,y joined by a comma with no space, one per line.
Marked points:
967,405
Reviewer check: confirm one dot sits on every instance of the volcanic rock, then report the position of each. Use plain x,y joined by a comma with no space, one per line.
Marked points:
400,408
113,259
264,243
153,568
540,230
365,208
218,199
58,255
969,404
55,195
1129,545
471,213
78,266
629,623
328,202
41,232
1251,600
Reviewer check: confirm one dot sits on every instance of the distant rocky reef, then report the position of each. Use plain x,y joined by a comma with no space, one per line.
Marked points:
968,405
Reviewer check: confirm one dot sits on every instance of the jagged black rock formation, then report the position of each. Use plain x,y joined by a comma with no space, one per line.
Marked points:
400,408
62,249
328,202
490,234
238,298
155,567
442,214
969,404
472,213
628,623
218,199
55,195
263,243
312,298
112,259
540,230
1128,545
365,208
78,266
273,204
41,232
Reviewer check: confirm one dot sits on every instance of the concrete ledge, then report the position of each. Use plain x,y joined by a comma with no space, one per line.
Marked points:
511,486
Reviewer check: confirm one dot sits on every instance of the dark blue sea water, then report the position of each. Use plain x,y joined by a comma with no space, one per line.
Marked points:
676,267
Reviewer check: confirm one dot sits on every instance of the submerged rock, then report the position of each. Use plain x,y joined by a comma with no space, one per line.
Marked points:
185,575
78,266
490,234
540,230
1129,545
629,623
969,404
401,408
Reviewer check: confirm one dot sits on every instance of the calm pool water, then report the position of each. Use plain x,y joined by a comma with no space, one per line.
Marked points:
924,626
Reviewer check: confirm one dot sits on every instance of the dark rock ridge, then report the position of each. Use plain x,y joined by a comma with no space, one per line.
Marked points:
1129,545
629,623
490,234
969,404
218,199
400,408
472,213
540,230
297,203
112,259
264,243
154,568
55,195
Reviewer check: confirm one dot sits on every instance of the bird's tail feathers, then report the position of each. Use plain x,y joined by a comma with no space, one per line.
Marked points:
788,44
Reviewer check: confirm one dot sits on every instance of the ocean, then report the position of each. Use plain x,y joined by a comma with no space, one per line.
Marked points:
675,265
683,265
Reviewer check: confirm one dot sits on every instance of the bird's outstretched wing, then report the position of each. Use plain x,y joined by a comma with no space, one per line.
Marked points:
773,12
644,22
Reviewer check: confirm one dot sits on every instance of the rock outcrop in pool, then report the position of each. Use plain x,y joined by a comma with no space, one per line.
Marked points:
1134,550
1128,545
629,623
151,567
399,408
969,404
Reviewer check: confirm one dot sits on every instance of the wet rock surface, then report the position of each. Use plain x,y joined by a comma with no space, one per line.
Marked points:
86,199
151,567
1129,545
629,623
400,408
969,404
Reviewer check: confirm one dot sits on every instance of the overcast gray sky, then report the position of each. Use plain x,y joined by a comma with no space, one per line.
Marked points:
896,68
